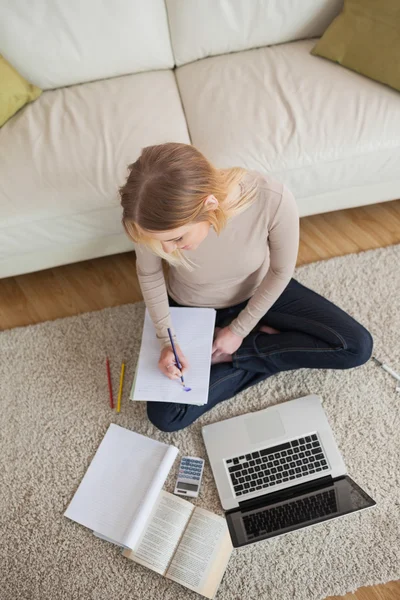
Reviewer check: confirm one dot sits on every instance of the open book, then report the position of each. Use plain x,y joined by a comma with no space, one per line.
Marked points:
189,545
121,485
194,329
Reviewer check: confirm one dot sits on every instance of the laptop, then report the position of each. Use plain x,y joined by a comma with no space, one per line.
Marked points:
280,469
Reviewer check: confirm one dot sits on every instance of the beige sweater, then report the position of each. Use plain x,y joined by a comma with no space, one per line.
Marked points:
253,257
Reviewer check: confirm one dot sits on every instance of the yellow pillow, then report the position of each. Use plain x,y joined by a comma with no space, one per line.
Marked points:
365,37
15,91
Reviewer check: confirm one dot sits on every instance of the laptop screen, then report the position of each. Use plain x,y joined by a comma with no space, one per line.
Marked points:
269,519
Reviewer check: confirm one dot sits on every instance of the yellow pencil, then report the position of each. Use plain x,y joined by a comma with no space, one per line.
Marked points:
121,383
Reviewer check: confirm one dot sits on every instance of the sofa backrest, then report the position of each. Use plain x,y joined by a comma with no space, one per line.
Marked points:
201,28
62,42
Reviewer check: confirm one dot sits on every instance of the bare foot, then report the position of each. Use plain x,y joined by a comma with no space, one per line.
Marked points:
268,329
221,358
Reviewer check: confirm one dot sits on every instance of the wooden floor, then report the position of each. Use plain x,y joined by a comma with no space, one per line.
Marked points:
111,281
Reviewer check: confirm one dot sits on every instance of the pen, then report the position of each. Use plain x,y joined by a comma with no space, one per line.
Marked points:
387,368
178,364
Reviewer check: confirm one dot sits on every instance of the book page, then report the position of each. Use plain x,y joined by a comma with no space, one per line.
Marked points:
162,533
112,494
137,524
135,528
203,553
194,330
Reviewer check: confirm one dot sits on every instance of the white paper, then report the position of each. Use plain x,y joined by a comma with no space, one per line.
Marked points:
162,533
114,496
194,330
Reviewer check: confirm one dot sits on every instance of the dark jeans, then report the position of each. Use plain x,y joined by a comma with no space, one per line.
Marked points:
314,334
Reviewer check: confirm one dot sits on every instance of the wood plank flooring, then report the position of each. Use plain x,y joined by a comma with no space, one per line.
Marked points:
111,281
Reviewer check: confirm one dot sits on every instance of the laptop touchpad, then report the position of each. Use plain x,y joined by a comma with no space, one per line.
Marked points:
261,428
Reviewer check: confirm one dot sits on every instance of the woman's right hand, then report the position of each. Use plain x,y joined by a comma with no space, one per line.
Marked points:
167,363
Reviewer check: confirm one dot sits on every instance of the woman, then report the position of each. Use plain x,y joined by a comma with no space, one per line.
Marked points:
231,239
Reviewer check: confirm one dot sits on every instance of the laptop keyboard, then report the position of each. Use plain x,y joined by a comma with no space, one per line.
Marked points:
290,514
278,464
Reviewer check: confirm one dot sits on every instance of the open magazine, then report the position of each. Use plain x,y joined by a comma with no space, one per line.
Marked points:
186,544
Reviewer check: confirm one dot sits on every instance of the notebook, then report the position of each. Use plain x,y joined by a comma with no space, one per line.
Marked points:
121,485
194,330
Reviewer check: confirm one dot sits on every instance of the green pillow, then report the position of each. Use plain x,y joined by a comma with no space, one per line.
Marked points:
15,91
365,37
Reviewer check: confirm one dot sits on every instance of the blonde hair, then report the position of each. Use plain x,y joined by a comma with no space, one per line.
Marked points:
166,188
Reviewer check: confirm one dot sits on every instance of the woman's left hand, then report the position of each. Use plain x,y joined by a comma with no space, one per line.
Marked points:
226,342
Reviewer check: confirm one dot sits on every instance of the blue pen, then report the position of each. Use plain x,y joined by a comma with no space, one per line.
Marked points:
178,364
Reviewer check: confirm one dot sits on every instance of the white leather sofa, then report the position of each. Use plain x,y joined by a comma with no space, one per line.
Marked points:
233,77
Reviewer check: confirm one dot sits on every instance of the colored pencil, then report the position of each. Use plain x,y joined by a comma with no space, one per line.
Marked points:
109,383
121,383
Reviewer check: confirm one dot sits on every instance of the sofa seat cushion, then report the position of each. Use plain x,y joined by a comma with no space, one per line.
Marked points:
331,135
62,159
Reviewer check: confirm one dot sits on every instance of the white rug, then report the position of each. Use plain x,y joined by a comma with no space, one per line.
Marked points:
54,413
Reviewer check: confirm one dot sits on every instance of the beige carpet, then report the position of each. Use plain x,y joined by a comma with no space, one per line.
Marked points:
54,413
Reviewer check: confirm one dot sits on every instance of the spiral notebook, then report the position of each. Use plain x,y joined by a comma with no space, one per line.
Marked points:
194,329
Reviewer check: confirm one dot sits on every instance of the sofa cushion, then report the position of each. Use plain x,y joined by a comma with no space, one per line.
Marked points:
53,44
209,27
365,37
331,135
15,91
62,159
